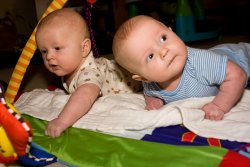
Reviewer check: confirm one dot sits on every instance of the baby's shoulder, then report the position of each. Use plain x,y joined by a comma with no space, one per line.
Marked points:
103,61
197,52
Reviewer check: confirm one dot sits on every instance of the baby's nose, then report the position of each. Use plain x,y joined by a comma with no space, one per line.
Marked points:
49,55
163,53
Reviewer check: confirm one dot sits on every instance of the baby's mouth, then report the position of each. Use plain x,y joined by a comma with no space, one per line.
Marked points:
53,67
171,60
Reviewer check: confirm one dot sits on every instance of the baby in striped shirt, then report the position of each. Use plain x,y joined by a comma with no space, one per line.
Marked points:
172,71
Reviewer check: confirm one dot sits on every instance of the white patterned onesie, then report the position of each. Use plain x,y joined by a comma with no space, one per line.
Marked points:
106,74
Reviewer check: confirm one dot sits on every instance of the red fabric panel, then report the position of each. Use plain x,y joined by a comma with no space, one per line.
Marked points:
234,159
14,129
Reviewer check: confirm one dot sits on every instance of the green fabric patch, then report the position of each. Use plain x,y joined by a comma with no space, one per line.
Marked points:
80,147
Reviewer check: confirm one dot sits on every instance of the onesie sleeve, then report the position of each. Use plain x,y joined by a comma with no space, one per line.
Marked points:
208,67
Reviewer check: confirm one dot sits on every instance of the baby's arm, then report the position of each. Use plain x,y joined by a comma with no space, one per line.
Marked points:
77,106
153,103
229,93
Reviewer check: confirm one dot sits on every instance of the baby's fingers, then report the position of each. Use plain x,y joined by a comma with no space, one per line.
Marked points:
215,116
52,132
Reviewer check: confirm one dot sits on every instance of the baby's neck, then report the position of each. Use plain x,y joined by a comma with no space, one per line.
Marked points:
68,79
170,85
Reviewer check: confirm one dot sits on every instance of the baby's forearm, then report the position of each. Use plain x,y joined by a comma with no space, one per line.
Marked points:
231,89
226,100
79,104
73,111
221,104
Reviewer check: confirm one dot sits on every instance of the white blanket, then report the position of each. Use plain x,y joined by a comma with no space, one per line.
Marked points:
118,114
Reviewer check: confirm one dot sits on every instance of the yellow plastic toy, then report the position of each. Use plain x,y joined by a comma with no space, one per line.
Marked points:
6,148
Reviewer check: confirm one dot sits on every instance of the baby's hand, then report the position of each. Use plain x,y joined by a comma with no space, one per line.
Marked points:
55,128
153,103
213,112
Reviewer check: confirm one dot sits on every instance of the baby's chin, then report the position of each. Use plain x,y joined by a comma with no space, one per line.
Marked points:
57,73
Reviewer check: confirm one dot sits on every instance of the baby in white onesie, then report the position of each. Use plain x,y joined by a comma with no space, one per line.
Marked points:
64,42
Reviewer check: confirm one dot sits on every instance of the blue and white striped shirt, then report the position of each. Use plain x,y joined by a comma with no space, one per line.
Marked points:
205,70
203,73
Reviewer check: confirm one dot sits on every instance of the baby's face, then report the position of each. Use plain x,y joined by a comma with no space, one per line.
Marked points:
155,52
60,48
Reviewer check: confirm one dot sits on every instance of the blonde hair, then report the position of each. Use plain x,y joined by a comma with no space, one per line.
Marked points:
66,16
121,37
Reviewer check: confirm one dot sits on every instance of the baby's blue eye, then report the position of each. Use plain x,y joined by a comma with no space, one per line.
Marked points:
150,57
163,38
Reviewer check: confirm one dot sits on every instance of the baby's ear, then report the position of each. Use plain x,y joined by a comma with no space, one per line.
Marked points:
86,47
139,78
